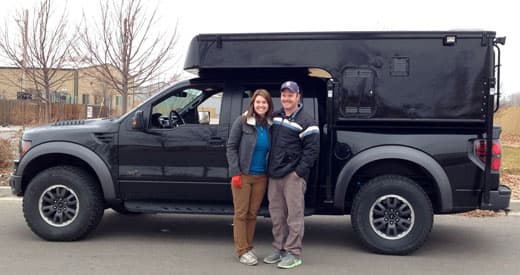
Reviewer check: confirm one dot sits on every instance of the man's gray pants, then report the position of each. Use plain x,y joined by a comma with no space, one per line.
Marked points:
286,206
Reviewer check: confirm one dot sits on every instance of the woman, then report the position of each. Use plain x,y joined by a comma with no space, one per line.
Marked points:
247,149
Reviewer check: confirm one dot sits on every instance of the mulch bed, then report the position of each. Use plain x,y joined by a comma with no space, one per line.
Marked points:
510,140
4,176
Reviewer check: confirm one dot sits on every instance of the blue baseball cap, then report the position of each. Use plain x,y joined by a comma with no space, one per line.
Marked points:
291,85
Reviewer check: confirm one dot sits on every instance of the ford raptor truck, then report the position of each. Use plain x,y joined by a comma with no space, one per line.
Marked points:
405,118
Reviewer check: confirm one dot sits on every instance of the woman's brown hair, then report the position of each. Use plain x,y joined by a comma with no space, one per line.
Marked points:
251,109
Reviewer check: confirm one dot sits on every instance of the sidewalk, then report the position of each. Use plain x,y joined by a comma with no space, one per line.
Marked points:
5,192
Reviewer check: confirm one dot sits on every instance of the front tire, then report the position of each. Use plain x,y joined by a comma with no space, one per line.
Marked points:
63,203
392,215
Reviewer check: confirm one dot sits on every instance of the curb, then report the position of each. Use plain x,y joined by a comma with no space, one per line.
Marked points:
514,206
5,192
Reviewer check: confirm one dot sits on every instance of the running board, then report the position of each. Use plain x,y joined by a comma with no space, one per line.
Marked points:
190,208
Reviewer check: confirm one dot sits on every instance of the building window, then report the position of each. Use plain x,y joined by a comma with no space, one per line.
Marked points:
23,96
84,99
60,97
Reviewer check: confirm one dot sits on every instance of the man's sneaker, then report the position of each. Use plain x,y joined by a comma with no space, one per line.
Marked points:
289,261
275,257
248,258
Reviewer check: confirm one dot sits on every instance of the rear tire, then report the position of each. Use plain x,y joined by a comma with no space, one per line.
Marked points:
63,203
392,215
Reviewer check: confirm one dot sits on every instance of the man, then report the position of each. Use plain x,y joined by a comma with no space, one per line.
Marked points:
294,150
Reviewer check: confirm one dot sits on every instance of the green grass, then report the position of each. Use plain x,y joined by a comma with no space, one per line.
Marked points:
510,160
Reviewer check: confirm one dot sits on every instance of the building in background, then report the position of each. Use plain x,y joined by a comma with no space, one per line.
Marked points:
79,86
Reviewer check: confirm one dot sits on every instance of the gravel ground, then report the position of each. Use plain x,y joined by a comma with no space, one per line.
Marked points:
513,182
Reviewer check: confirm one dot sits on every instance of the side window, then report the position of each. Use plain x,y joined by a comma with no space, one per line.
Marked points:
209,110
165,112
246,97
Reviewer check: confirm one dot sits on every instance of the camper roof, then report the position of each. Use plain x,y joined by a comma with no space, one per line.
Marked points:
327,50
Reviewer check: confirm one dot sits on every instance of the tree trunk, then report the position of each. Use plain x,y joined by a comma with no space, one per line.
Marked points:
48,104
124,102
125,89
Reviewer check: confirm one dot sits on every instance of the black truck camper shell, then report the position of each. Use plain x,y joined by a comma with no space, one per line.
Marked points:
420,76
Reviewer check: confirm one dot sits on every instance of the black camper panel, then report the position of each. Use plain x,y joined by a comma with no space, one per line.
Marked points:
438,76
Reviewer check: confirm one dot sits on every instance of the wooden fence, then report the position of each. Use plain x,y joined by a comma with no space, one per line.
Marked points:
28,112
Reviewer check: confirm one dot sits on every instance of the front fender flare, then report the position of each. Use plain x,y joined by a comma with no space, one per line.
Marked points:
394,152
81,152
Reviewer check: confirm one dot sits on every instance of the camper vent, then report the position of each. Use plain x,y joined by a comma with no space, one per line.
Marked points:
351,110
360,110
365,110
400,66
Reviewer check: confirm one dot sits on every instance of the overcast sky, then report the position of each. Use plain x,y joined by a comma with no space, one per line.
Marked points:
235,16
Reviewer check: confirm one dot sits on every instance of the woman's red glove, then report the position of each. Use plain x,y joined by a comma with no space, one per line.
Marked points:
236,181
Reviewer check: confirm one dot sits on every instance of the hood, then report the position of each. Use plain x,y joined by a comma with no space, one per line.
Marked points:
70,130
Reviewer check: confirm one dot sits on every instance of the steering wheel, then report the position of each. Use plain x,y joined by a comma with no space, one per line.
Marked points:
175,119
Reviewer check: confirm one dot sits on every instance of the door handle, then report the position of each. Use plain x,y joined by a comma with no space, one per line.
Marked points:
216,142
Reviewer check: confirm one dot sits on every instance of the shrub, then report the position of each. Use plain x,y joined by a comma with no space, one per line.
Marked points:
6,153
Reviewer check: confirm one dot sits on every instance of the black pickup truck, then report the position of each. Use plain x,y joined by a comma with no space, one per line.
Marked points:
406,122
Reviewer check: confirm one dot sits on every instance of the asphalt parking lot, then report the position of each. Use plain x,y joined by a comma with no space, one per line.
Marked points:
190,244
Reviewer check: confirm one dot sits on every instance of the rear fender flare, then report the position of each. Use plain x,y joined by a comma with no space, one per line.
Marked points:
394,152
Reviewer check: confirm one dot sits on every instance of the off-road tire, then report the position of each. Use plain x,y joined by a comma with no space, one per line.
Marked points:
79,211
375,215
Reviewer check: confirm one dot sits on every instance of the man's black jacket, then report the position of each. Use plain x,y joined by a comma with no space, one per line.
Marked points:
295,144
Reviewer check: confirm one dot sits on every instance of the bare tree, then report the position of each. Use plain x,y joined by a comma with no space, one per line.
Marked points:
41,52
125,47
510,100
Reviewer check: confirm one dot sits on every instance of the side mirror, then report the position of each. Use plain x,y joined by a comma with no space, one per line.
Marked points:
204,117
138,120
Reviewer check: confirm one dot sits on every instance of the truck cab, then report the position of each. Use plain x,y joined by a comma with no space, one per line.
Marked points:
184,132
